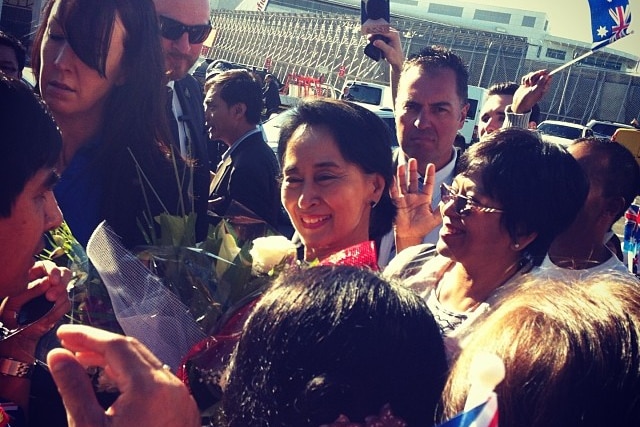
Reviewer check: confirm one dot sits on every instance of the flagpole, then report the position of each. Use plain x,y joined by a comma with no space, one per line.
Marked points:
570,63
584,55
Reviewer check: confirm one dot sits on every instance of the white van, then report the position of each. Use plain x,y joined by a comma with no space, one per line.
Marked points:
370,94
470,127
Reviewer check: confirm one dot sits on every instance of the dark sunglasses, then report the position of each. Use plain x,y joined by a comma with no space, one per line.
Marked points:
463,205
173,30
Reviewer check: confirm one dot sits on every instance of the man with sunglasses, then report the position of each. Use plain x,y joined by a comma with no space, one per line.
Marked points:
184,26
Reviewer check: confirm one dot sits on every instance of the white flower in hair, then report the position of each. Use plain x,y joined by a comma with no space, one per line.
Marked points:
269,252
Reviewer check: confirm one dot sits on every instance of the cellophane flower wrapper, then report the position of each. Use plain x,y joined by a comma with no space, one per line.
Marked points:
170,297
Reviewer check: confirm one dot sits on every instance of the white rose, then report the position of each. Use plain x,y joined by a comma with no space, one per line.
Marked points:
268,252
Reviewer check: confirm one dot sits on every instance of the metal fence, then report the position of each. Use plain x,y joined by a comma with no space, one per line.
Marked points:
330,46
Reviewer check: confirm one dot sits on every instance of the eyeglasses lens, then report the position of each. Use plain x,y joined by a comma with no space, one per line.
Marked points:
460,203
173,30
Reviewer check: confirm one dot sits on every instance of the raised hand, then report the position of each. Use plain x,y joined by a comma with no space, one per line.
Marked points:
533,87
150,395
416,217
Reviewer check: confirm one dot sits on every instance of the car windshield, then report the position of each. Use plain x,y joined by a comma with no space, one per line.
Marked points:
560,130
604,129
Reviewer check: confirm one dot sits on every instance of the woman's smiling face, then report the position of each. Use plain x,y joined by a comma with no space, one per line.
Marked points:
327,198
478,236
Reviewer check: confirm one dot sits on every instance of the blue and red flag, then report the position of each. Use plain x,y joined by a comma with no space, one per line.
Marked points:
484,415
610,21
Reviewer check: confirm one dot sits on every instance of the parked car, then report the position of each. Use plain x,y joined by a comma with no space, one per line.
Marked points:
271,128
563,133
28,77
605,128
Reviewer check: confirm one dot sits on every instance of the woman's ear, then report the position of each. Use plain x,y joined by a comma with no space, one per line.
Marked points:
378,187
523,240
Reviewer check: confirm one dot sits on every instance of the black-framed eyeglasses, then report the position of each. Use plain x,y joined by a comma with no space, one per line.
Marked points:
463,205
173,30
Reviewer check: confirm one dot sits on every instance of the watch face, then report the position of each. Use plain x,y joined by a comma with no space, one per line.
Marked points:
33,310
30,312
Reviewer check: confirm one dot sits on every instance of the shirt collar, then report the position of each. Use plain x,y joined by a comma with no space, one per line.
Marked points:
234,146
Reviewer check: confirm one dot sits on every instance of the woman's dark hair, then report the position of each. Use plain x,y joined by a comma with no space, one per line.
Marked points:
30,139
135,117
539,185
362,138
327,341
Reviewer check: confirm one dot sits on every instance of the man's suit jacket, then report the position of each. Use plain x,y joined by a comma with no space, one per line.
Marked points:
248,176
191,99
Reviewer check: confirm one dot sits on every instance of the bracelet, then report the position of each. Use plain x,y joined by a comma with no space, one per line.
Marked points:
15,368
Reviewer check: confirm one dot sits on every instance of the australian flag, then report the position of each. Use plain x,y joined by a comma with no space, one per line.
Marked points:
610,20
485,415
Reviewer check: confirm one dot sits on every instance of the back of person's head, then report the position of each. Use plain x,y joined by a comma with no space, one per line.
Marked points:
30,139
571,353
437,58
362,138
613,167
539,185
326,341
215,68
239,87
503,88
8,40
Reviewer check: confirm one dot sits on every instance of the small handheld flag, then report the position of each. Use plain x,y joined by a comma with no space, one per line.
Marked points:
610,21
481,407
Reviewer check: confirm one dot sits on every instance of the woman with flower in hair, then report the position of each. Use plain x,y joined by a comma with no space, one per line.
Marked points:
337,170
336,344
336,173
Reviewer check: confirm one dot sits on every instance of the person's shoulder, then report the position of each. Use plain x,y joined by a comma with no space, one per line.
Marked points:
255,152
189,84
410,261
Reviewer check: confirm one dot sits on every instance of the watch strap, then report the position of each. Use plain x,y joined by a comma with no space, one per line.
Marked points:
15,368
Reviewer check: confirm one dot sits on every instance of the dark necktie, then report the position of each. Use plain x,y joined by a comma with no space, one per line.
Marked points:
171,118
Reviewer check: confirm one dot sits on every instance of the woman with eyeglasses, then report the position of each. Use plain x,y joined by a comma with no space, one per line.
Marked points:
101,71
513,194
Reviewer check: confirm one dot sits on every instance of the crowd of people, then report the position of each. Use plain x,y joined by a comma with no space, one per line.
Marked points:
412,261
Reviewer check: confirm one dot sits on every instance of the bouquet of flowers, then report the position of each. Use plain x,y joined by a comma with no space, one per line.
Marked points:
170,295
90,303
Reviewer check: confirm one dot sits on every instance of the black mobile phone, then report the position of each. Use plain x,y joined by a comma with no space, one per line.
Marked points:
374,19
34,309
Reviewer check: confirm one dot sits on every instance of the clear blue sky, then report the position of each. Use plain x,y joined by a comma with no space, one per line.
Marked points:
571,19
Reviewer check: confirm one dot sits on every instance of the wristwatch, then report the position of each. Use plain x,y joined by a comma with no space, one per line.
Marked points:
15,368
